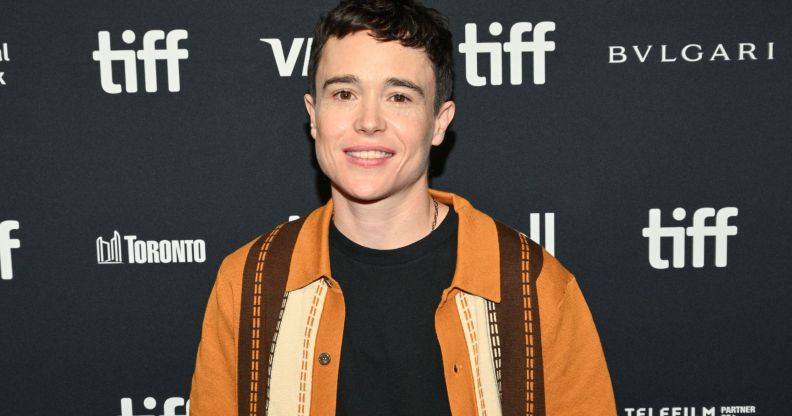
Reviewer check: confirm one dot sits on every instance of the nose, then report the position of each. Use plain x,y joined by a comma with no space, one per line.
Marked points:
369,119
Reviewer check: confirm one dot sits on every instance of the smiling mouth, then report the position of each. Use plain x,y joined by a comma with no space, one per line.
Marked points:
369,154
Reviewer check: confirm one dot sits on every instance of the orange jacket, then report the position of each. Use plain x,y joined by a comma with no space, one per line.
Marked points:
515,332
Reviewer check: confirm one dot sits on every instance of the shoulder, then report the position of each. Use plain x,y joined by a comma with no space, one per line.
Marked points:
552,288
234,263
549,275
277,240
554,280
231,272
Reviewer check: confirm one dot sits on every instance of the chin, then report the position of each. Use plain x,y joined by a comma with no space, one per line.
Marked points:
361,192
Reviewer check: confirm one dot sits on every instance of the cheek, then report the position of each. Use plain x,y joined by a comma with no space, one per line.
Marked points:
410,124
324,160
417,135
331,124
323,150
326,145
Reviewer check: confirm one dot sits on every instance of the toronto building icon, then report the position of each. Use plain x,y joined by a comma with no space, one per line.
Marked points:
109,252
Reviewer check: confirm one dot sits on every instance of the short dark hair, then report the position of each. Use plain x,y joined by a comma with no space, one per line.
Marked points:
409,22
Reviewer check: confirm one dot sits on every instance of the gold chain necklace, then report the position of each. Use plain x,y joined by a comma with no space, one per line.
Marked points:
434,221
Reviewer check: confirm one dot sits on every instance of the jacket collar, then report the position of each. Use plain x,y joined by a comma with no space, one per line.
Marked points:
478,256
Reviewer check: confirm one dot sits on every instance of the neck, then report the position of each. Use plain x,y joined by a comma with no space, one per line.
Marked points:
389,223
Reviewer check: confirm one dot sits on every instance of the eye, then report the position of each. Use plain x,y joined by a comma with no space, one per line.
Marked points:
400,98
343,95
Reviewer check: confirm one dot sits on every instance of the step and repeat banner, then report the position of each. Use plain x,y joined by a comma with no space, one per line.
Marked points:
646,144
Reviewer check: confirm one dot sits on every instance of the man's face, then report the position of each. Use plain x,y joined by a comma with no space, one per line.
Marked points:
373,116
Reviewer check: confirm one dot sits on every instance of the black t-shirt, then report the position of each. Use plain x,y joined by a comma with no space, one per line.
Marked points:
390,358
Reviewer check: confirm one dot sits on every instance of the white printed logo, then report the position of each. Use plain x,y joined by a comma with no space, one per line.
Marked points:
109,252
150,54
670,411
698,232
286,63
692,52
535,232
6,244
3,58
515,47
690,411
169,407
144,252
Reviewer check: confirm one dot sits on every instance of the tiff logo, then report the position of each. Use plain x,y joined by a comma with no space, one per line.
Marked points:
6,244
109,252
535,231
515,47
698,232
286,63
150,54
3,58
169,407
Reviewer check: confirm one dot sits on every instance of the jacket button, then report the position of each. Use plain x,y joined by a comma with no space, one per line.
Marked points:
324,358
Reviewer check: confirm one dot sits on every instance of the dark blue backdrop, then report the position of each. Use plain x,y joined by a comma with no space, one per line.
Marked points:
629,119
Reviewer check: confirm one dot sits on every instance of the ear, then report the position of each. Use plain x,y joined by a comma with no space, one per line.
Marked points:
311,108
443,118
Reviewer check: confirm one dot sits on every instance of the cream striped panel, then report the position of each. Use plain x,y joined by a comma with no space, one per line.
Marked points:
473,315
292,365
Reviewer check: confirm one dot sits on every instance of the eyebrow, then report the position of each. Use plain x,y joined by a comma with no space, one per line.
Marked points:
398,82
341,79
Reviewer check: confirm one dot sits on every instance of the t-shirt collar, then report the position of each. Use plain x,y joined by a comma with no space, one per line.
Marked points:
478,257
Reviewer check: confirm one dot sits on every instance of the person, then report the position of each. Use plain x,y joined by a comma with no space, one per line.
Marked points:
393,298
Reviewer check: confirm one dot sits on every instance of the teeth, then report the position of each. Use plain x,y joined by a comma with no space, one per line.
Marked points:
370,154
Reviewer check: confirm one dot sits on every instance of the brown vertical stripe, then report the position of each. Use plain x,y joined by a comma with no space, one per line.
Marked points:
263,287
536,256
517,315
509,314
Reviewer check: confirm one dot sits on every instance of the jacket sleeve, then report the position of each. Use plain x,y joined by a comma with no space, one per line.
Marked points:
576,377
213,391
